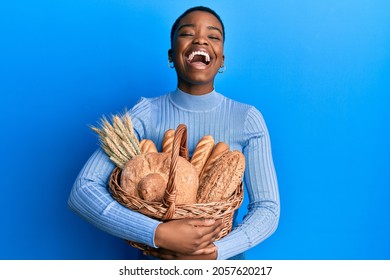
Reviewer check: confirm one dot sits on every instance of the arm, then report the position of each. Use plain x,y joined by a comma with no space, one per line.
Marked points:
262,189
91,199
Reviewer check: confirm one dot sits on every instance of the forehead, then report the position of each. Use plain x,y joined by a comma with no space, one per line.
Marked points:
201,18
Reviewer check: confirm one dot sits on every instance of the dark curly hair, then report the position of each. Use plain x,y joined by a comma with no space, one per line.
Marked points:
193,9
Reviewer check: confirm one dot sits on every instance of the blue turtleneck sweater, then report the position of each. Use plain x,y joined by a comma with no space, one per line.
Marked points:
239,125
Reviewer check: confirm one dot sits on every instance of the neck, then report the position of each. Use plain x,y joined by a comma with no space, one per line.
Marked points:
195,89
195,103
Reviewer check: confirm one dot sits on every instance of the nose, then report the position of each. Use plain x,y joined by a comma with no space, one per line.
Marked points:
200,40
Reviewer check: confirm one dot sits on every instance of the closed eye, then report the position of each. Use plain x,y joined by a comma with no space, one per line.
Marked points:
214,38
185,34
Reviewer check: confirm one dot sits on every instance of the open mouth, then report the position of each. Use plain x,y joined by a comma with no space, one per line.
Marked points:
201,57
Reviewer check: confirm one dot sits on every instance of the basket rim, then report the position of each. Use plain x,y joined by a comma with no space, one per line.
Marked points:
216,209
167,209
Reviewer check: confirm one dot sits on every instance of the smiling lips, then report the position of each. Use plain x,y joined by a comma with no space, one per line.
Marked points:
199,59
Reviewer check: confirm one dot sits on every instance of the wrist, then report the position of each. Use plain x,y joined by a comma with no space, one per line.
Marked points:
158,234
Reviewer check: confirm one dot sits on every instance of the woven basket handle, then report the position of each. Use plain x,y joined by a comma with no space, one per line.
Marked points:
179,148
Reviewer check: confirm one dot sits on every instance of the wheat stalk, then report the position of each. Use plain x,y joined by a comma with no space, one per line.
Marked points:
122,131
118,139
132,138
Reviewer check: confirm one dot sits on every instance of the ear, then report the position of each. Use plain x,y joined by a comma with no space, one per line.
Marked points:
170,57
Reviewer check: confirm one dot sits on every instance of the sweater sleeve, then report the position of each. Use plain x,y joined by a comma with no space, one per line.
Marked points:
90,198
260,180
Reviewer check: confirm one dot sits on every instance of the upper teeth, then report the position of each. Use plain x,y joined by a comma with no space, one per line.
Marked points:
205,54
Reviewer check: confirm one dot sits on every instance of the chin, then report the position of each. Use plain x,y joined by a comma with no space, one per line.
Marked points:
201,78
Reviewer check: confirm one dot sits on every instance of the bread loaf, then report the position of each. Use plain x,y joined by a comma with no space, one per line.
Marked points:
219,149
146,176
147,146
223,178
168,141
202,152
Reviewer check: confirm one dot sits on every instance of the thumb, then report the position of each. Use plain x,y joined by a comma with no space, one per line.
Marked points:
206,251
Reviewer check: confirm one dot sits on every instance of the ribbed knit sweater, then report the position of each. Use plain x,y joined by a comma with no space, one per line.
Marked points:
239,125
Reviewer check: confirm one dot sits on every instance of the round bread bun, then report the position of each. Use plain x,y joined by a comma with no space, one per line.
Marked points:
146,176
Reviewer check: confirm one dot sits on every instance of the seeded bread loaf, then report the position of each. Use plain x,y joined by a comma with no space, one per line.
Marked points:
223,178
219,149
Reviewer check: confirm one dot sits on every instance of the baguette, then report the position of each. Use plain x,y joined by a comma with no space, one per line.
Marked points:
202,152
147,146
167,142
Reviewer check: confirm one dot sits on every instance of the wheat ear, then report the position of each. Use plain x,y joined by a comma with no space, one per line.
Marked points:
118,139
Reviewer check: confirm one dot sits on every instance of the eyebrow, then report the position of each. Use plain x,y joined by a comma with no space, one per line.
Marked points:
193,26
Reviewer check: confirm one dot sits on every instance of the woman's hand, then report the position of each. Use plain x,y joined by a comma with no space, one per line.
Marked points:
165,254
193,237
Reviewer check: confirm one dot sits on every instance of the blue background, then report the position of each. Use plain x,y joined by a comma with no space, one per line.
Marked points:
319,71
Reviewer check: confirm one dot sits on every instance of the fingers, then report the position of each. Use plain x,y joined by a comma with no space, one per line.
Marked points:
188,235
163,254
206,226
202,222
207,236
210,230
206,251
209,253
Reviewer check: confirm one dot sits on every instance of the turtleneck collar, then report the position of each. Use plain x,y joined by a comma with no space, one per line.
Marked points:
189,102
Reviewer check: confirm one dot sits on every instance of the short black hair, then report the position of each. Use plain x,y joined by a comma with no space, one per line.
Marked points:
193,9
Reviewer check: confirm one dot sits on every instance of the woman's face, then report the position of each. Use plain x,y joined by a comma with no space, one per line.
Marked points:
197,52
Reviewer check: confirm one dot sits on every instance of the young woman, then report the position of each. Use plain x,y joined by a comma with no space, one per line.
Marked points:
197,54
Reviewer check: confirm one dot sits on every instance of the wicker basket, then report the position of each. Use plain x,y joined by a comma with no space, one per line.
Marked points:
168,209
